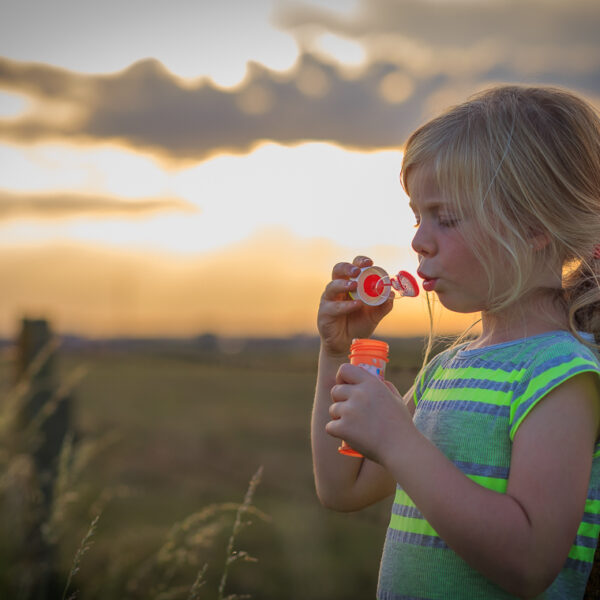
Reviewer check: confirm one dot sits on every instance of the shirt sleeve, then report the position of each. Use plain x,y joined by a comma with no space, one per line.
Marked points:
547,370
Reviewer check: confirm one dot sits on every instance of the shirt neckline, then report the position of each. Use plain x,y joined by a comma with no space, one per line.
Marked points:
464,353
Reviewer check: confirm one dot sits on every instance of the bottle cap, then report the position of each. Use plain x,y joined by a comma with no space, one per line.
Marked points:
376,350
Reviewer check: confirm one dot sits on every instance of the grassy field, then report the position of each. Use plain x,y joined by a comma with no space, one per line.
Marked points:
175,431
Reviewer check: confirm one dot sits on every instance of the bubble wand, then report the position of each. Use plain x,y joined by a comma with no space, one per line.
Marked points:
375,286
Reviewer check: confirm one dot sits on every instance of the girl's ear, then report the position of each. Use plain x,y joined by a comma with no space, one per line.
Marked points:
539,240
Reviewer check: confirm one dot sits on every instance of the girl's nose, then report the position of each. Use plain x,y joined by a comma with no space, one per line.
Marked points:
422,243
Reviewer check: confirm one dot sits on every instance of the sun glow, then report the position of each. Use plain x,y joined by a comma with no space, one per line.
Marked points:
343,50
314,190
268,228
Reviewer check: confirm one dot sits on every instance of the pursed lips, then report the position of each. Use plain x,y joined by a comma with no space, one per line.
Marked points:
423,276
428,282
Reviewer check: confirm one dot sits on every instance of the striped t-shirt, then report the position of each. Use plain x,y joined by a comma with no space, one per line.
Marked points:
470,403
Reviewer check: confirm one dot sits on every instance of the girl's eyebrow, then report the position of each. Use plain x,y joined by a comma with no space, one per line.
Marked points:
429,205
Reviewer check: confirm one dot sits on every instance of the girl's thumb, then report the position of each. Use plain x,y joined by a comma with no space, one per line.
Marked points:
393,388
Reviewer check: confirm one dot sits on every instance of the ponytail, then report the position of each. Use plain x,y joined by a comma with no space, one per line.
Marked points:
582,296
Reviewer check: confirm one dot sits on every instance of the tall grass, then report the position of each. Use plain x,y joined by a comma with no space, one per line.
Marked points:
30,566
182,550
85,545
232,554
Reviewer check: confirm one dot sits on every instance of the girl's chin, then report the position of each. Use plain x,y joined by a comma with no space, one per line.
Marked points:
455,305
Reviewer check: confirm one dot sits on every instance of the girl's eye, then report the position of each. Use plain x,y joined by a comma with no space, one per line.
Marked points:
448,222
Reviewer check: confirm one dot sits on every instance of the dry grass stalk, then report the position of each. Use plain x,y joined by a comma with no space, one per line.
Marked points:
200,581
233,555
183,544
85,545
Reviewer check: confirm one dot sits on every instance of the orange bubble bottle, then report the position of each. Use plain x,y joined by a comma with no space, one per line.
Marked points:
371,355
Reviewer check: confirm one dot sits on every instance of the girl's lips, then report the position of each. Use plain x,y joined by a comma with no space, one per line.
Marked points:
429,284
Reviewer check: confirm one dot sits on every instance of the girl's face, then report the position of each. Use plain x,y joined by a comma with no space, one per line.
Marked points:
447,263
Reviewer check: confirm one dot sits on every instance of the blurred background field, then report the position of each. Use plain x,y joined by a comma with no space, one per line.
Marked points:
175,426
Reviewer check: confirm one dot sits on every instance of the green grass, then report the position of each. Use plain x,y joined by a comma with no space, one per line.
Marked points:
187,431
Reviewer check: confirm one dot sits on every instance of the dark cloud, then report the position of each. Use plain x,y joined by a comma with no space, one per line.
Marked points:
147,108
51,205
463,23
424,55
472,42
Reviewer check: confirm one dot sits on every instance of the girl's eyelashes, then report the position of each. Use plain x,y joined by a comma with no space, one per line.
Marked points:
443,221
440,213
448,222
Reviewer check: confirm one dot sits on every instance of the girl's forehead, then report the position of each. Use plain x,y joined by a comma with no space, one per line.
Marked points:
422,182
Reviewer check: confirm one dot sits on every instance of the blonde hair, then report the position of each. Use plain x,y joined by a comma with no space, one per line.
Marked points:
522,162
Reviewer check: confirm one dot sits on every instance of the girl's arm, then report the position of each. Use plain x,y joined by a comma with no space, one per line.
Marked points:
520,539
343,483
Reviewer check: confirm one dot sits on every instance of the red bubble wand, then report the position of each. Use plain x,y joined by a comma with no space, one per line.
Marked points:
375,286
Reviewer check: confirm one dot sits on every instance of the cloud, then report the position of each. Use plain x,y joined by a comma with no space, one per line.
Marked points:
147,108
456,23
422,55
55,205
466,41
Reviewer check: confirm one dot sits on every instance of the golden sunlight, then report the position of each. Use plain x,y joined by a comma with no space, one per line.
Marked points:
267,285
236,245
316,190
342,49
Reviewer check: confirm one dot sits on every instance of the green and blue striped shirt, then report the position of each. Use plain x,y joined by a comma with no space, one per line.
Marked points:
470,403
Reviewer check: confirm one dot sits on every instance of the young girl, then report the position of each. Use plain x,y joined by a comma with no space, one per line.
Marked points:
492,454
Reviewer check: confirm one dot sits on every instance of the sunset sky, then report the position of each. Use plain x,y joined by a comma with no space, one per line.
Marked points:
183,167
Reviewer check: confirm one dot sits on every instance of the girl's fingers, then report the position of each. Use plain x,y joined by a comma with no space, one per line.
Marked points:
338,286
333,411
362,262
331,428
338,308
344,270
339,393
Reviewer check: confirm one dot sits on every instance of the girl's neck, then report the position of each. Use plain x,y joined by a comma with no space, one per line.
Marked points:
533,317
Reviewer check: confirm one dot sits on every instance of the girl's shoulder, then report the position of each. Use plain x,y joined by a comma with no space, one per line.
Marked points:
517,359
521,359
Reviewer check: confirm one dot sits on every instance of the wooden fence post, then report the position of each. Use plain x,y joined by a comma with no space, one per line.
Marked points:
36,338
36,361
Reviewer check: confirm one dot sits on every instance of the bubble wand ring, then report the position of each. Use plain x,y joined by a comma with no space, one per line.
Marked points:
374,286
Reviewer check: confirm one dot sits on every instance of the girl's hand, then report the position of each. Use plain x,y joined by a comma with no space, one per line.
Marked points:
341,319
368,413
